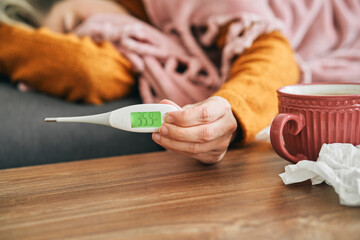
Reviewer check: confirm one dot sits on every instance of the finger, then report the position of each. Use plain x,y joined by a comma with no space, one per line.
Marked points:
208,111
207,158
193,149
166,101
201,133
69,21
211,158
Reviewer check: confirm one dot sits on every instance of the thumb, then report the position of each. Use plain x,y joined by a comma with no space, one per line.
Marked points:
166,101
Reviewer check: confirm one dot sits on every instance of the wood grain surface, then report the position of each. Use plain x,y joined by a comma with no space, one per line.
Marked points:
166,196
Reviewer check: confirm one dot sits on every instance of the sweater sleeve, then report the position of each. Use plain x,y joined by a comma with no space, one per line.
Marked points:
255,76
65,66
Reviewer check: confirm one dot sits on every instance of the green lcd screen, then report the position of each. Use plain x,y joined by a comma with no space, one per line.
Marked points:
145,119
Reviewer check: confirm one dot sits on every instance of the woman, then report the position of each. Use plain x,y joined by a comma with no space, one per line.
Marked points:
236,98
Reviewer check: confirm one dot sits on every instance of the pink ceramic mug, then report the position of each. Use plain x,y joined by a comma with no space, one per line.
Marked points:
313,114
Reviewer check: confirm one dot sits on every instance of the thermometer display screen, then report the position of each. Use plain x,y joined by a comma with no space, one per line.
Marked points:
145,119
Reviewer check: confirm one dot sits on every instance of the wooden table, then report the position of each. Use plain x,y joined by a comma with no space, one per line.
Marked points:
166,196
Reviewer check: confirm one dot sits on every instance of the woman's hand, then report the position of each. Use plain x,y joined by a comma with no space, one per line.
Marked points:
202,131
64,16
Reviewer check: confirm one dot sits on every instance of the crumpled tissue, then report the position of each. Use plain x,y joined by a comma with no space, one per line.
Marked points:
338,165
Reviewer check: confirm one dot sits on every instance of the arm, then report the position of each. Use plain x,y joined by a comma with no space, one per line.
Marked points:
64,65
205,130
255,76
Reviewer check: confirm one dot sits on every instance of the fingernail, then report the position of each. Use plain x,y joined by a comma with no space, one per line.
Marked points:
169,119
156,136
164,130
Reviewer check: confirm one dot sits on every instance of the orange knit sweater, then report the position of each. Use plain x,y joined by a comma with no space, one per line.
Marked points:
77,69
255,75
64,65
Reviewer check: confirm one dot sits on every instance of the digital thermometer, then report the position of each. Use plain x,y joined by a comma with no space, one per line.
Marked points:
144,118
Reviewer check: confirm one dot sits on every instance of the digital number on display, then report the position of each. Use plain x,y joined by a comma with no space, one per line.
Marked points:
145,119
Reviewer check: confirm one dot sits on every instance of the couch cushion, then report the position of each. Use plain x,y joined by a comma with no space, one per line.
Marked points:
27,140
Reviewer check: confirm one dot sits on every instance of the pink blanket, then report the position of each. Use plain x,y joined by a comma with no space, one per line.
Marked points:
176,57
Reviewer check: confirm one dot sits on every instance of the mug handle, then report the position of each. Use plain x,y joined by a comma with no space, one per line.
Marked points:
276,135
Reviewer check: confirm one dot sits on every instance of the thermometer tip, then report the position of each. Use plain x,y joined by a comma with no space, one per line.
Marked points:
50,120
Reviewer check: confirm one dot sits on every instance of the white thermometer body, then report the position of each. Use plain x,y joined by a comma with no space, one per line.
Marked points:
143,118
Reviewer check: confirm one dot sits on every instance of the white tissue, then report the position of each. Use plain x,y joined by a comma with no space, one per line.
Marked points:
263,135
338,165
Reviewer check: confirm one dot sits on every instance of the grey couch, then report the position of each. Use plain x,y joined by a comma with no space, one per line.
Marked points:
25,139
